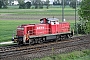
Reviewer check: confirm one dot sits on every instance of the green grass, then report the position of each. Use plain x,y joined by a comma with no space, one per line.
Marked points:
8,26
44,12
84,58
53,11
76,55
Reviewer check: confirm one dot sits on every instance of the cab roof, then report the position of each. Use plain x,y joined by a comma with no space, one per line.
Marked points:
52,19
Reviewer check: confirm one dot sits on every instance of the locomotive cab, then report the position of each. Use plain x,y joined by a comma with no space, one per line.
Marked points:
49,21
53,21
43,21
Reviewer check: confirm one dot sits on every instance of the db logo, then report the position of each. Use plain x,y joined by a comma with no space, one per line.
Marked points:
40,27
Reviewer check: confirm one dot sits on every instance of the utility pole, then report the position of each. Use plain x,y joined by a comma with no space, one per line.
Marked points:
62,10
76,28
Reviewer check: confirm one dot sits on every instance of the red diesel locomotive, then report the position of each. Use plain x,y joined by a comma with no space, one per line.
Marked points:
48,29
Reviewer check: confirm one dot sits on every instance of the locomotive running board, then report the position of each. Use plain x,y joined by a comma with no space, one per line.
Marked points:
48,34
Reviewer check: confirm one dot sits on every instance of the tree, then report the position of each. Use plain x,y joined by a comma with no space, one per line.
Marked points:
23,5
3,3
73,4
64,1
37,4
27,5
10,2
56,2
47,3
84,13
0,4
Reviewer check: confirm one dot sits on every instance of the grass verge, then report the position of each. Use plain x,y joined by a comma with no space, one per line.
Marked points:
76,55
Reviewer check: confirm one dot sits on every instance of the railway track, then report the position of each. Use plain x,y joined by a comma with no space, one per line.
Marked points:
11,51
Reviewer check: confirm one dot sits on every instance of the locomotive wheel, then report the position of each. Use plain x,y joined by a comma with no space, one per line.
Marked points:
40,40
57,38
20,42
36,40
31,41
65,36
69,36
44,39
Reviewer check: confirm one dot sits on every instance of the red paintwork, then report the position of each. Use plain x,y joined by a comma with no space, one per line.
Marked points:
42,29
64,27
53,28
20,31
33,29
61,27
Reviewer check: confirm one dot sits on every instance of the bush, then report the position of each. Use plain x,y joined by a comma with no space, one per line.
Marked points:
86,52
26,5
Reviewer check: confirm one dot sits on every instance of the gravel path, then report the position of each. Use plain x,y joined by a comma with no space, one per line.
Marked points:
9,42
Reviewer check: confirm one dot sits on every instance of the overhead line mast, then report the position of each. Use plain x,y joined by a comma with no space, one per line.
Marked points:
62,10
